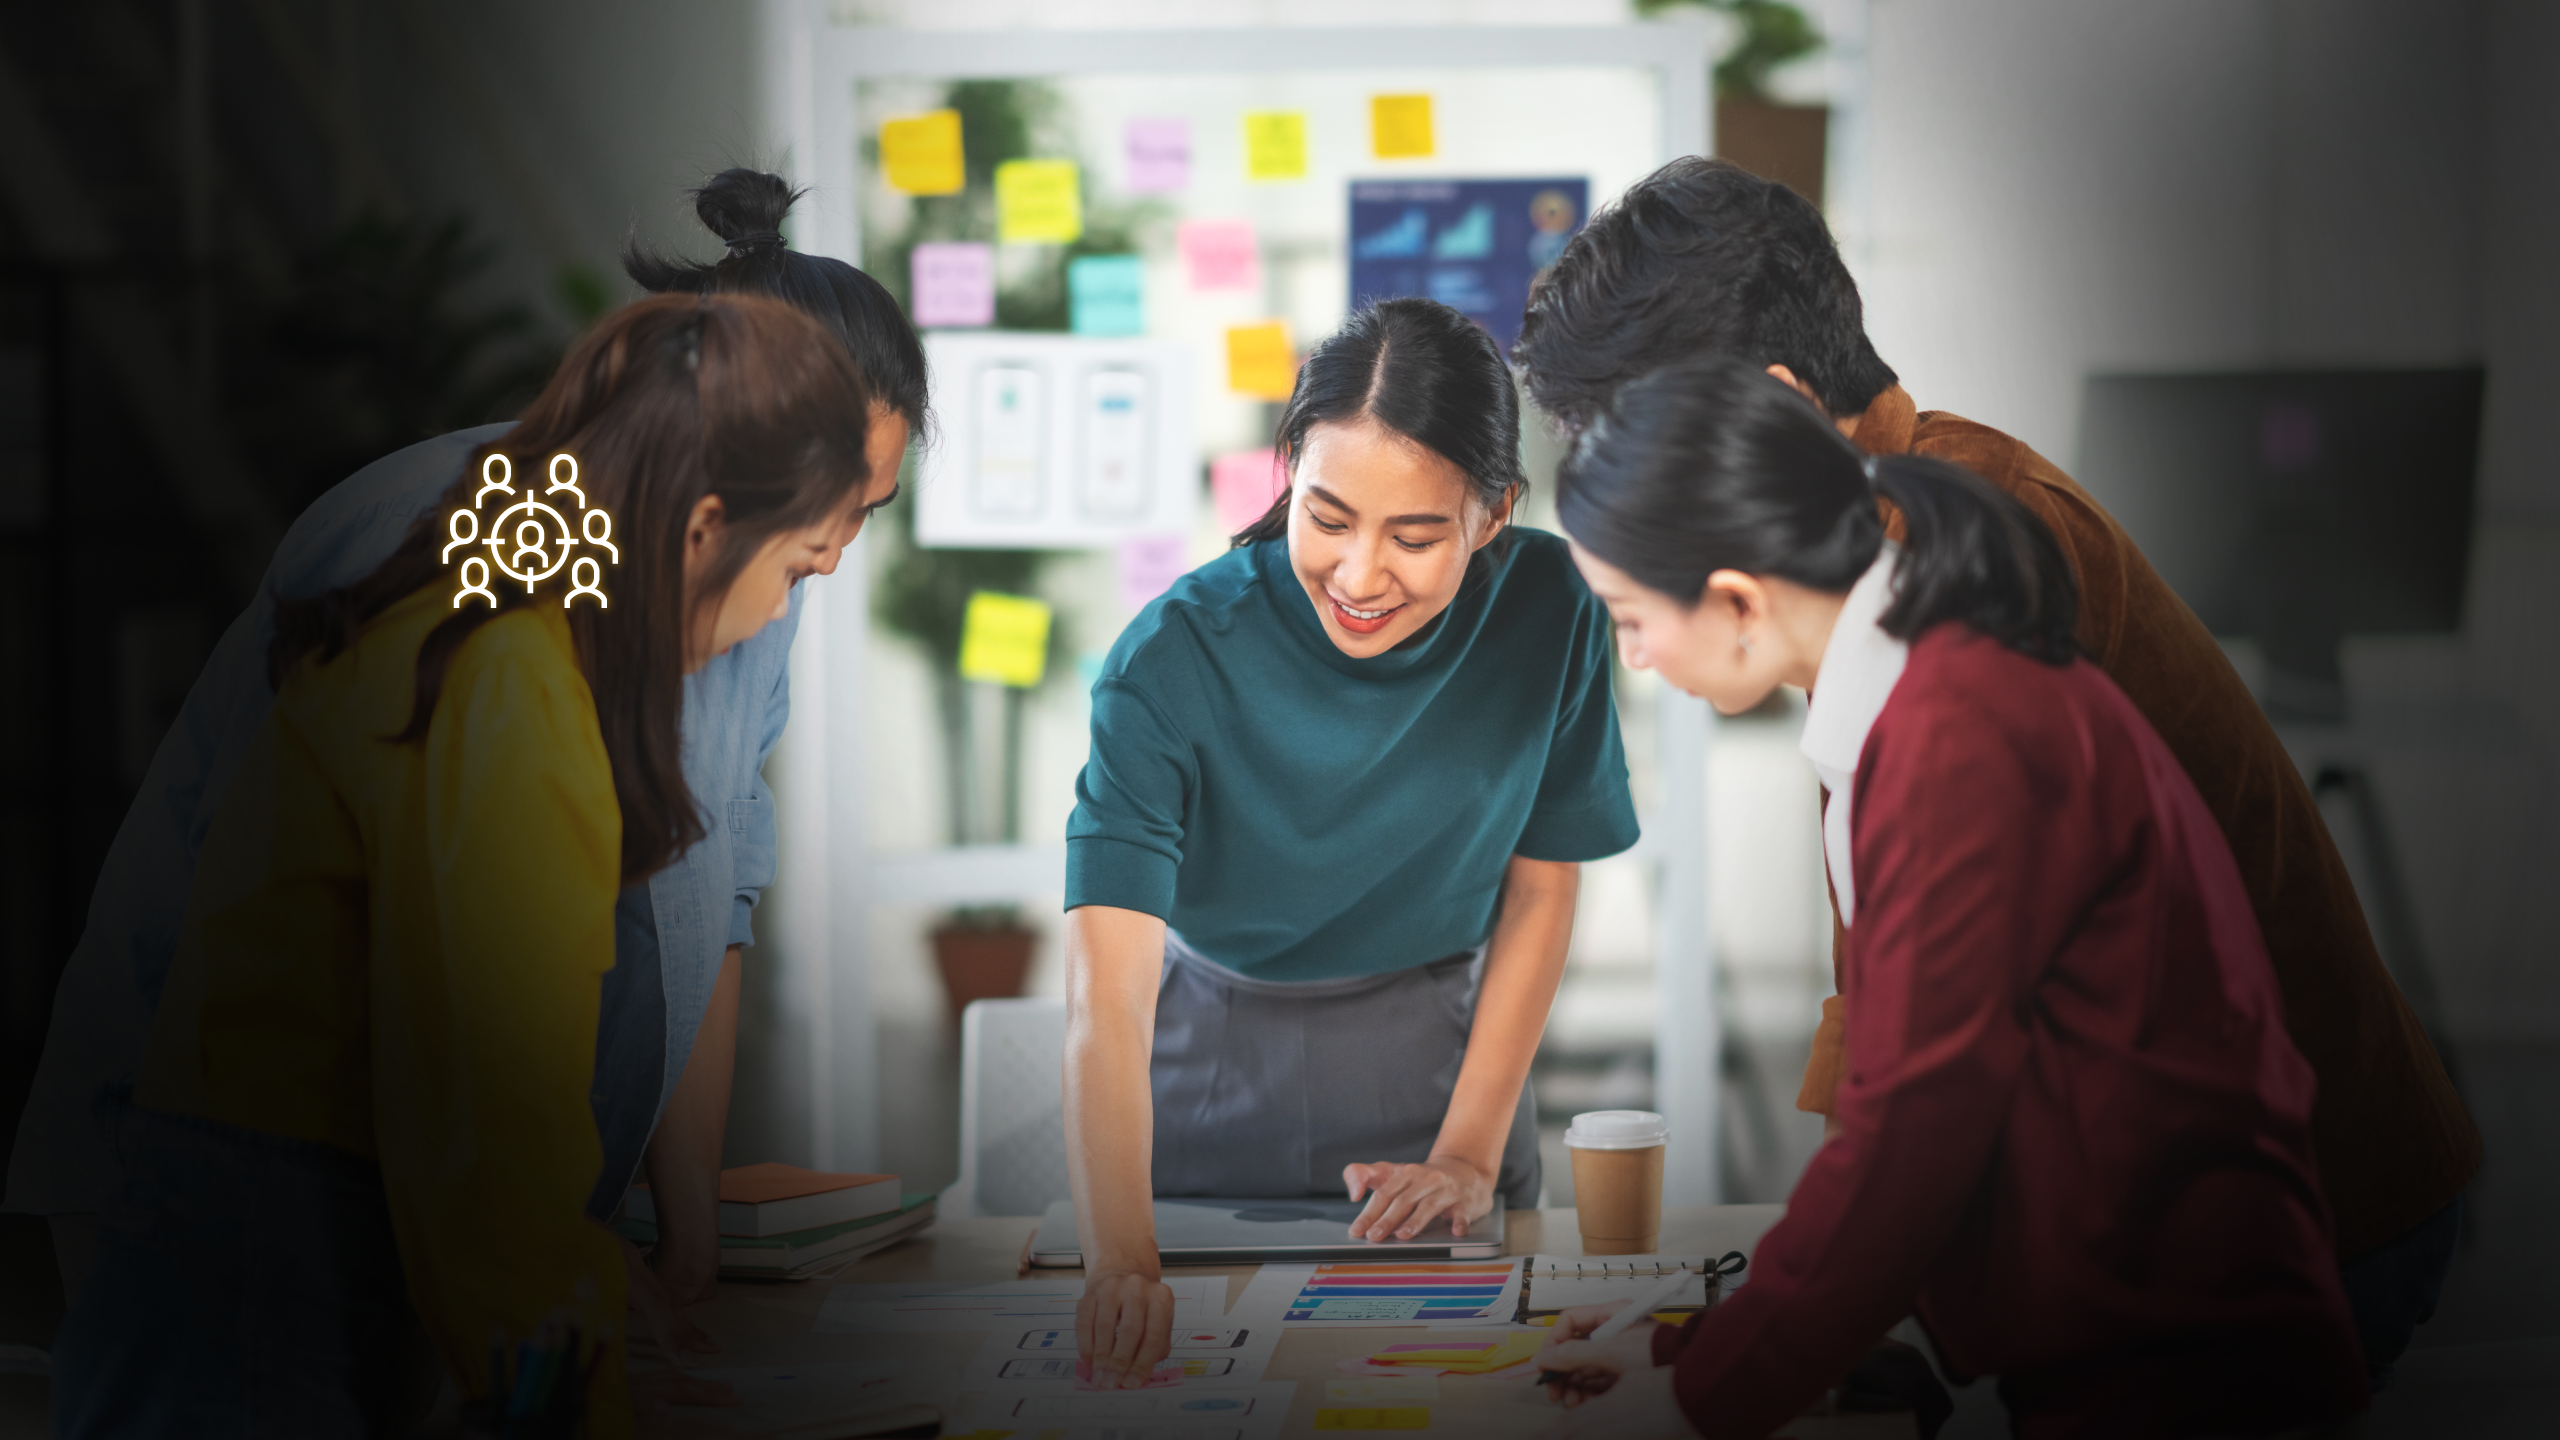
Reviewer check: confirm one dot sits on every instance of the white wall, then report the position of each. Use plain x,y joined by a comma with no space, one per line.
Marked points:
2051,189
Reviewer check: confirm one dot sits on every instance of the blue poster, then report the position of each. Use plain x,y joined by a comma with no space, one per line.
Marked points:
1473,245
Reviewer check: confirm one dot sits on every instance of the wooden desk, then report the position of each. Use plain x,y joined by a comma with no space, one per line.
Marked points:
765,1323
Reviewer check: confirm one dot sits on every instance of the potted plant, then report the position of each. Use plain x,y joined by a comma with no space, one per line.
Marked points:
1785,143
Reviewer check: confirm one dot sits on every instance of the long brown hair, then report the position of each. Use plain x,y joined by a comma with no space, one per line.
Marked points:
666,401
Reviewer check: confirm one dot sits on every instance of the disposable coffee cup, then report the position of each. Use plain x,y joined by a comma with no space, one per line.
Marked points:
1617,1179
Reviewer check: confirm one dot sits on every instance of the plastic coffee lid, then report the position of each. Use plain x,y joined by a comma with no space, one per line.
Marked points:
1616,1130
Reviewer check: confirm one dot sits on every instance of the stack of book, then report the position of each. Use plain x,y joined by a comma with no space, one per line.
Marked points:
780,1222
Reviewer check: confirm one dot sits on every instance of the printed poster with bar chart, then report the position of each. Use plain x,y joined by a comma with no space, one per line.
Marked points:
1415,1294
1473,245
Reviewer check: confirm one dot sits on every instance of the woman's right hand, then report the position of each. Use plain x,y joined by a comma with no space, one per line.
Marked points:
1124,1327
1590,1368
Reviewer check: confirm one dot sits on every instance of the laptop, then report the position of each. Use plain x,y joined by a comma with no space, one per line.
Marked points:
1192,1230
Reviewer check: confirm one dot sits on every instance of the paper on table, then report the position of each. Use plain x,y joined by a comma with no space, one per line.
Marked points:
1022,1305
1149,564
1244,484
1038,202
1400,127
792,1399
1247,1412
1275,145
953,282
1159,155
1560,1282
1219,254
920,154
1217,1354
1483,1294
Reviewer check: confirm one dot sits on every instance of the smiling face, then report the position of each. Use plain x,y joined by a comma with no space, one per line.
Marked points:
1379,533
761,593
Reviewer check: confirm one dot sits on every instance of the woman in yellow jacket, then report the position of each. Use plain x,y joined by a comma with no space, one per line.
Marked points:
366,1090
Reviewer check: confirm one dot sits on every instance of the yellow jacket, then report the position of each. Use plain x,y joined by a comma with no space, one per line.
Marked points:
397,950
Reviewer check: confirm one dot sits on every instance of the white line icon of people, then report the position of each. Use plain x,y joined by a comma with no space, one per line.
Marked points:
530,540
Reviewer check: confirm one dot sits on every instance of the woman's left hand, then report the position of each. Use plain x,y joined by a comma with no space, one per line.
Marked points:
1641,1406
1405,1199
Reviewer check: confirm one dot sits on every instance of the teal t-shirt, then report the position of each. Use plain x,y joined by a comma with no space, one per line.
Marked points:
1298,814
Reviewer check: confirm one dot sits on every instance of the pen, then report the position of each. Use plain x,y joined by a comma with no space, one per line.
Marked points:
1664,1292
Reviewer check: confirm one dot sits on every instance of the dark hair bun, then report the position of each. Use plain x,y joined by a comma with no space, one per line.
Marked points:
741,205
746,208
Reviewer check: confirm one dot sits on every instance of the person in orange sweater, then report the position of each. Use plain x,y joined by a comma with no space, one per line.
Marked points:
1703,257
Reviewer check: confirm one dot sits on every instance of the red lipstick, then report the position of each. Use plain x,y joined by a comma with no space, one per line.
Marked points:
1358,625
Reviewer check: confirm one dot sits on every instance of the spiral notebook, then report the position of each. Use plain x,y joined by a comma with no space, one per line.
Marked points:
1560,1282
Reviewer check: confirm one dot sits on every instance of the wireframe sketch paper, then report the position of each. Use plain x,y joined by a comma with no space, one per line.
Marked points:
1250,1412
1220,1354
1022,1304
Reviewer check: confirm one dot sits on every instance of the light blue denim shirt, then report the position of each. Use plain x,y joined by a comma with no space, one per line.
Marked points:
679,923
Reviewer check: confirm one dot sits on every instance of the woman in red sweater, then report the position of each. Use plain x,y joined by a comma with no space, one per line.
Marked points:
2073,1138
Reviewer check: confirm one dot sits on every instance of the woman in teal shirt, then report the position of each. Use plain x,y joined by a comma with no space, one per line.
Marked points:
1322,868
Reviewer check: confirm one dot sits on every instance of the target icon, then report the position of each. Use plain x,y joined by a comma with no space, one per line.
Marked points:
530,540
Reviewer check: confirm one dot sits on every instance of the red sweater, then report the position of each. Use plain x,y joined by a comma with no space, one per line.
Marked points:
2075,1138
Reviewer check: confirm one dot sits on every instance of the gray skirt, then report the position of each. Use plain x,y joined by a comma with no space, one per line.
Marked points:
1269,1088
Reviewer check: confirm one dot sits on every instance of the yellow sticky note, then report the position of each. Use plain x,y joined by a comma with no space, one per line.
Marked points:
1038,203
921,153
1004,638
1394,1417
1400,127
1275,145
1260,362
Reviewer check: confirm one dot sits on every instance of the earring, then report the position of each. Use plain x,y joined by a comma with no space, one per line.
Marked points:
1745,642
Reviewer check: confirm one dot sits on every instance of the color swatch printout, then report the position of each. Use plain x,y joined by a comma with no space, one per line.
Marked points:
1403,1294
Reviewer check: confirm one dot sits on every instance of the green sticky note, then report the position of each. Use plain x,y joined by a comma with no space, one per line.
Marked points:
1107,295
1004,638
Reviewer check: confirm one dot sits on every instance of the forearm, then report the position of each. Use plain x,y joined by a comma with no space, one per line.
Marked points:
1523,965
1114,961
683,1158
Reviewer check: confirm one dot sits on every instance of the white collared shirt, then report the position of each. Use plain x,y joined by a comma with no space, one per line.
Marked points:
1860,666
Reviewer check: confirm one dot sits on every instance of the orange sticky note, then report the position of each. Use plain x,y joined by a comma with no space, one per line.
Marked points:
1400,127
1260,362
1275,145
921,153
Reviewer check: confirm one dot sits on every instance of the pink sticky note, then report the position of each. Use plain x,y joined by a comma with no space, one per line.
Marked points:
1159,155
1220,254
954,283
1149,564
1244,485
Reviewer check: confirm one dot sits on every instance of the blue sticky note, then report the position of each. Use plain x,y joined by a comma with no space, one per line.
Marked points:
1107,295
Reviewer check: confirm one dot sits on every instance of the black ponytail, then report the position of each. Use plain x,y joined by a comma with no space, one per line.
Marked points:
1422,370
1714,465
746,208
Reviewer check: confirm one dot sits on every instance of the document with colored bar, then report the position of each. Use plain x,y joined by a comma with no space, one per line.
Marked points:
1401,1293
